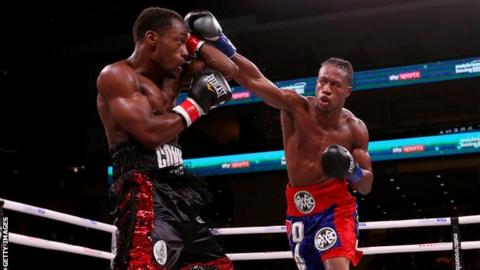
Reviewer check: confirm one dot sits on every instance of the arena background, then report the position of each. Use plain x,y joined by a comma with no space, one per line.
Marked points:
53,151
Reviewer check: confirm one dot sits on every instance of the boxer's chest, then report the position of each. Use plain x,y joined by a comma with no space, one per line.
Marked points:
310,138
161,98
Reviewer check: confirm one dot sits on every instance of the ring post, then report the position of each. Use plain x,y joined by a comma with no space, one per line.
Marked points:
114,249
456,243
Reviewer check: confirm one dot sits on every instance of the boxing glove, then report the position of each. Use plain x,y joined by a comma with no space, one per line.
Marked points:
209,89
202,24
337,162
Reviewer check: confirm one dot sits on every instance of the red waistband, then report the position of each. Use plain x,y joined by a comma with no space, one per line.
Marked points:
313,199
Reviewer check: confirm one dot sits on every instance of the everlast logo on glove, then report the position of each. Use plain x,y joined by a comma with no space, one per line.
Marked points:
351,167
209,90
215,85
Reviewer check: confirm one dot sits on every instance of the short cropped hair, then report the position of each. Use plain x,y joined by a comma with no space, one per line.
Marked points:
343,65
153,18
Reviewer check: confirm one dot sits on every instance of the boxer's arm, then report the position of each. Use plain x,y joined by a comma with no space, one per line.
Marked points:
132,111
215,59
202,23
252,79
361,156
207,56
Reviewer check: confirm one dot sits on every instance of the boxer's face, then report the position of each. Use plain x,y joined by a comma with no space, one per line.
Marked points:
170,52
332,88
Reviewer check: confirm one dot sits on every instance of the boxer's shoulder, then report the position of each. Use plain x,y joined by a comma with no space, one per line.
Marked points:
121,67
351,120
358,129
292,94
116,77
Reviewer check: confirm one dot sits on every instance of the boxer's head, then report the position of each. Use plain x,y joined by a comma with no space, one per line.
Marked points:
163,34
334,84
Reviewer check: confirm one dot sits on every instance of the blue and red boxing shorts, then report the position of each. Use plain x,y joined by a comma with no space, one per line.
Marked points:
322,223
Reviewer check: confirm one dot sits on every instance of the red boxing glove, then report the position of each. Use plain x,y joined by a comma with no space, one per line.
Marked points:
194,45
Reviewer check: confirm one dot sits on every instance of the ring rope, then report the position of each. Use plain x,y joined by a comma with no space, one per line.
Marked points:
406,223
441,246
59,246
50,214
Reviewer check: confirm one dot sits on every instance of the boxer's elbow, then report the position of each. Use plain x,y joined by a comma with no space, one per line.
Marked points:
365,186
364,190
147,140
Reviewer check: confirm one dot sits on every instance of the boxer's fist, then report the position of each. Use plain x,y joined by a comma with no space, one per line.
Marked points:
337,162
208,90
202,24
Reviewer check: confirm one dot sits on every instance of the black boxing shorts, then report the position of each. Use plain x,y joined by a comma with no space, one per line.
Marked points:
157,215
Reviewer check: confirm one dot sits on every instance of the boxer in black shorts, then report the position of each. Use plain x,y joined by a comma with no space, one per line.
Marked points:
156,202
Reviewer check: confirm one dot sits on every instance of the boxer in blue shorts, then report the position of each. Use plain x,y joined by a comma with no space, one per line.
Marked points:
326,150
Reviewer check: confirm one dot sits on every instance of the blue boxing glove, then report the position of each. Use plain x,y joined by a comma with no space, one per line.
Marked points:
202,23
337,162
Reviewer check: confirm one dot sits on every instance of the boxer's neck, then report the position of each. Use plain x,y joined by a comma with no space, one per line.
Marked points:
141,62
328,119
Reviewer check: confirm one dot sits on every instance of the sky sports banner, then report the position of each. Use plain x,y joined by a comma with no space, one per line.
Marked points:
439,145
460,143
377,78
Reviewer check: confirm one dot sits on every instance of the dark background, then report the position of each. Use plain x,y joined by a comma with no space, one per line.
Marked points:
53,151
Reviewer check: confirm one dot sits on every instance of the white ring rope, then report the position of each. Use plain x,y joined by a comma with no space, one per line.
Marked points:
59,246
409,223
366,250
41,212
53,245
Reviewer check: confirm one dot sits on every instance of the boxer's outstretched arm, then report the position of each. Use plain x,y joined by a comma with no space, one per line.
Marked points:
202,23
361,156
251,78
207,56
132,110
215,59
